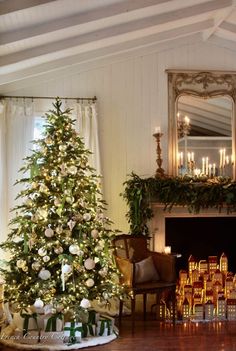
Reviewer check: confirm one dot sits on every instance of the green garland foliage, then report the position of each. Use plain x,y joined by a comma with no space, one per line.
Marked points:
194,193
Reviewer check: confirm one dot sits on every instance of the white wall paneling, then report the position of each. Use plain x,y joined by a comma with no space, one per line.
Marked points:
132,100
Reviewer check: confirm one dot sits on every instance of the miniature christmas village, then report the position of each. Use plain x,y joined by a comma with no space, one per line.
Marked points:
204,292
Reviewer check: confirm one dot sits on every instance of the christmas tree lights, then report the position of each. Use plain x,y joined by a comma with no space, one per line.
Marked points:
60,239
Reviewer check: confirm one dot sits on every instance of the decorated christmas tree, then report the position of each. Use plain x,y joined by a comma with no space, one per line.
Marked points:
60,240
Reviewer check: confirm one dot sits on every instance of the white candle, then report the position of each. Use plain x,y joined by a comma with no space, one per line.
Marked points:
214,169
227,160
210,168
157,129
186,120
206,165
181,159
192,156
167,250
189,157
203,165
221,157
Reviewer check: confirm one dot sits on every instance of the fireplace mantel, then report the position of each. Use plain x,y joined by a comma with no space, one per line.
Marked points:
157,222
186,195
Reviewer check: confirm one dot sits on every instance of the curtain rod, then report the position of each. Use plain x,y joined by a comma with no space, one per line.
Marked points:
47,97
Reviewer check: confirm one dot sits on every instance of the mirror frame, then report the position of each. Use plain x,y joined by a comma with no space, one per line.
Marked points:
205,84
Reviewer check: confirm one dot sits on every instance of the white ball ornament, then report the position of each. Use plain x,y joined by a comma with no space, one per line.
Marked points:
89,283
38,303
89,263
42,251
49,232
87,217
85,303
44,274
74,249
46,258
94,233
66,269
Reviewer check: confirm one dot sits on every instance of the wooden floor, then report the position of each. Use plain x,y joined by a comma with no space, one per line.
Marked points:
156,336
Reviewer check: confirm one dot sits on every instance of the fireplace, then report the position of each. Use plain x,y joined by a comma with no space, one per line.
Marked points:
208,233
203,291
201,237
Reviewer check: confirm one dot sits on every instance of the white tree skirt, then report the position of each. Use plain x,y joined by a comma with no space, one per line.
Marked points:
86,342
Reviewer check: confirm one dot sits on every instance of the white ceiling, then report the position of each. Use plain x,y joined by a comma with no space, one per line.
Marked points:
39,36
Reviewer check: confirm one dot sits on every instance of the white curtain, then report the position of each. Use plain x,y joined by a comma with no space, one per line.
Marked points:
85,114
16,132
17,126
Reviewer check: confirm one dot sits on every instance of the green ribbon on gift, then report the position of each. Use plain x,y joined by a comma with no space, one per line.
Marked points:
105,323
52,322
27,317
92,317
72,329
87,329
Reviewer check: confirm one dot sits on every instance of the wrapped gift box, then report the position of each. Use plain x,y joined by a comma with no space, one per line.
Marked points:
25,321
93,317
88,330
53,322
73,332
105,326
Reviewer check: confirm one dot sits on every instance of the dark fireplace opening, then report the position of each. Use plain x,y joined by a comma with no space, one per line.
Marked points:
202,237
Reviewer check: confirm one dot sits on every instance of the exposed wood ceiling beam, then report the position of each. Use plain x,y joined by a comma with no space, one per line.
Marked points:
8,6
226,13
87,61
102,38
114,10
228,26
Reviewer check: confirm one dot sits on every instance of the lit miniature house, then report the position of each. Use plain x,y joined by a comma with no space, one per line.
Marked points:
199,311
203,266
191,264
160,310
186,309
231,309
229,285
221,307
212,262
209,310
223,263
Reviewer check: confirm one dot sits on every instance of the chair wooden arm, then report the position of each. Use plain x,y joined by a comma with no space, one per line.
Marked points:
165,265
127,270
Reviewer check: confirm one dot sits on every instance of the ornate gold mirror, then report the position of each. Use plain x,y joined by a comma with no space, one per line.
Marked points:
202,123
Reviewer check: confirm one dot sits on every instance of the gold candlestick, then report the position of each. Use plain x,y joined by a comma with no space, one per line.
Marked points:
160,171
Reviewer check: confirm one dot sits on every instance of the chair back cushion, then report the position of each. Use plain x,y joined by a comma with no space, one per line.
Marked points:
145,271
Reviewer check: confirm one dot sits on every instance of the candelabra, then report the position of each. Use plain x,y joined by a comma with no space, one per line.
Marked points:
183,126
160,171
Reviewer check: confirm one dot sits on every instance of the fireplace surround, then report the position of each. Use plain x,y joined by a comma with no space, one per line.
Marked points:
186,241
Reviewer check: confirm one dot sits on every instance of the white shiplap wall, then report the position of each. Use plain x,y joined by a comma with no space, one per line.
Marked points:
132,98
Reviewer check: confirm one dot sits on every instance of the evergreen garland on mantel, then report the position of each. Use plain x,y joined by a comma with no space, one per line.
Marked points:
194,193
